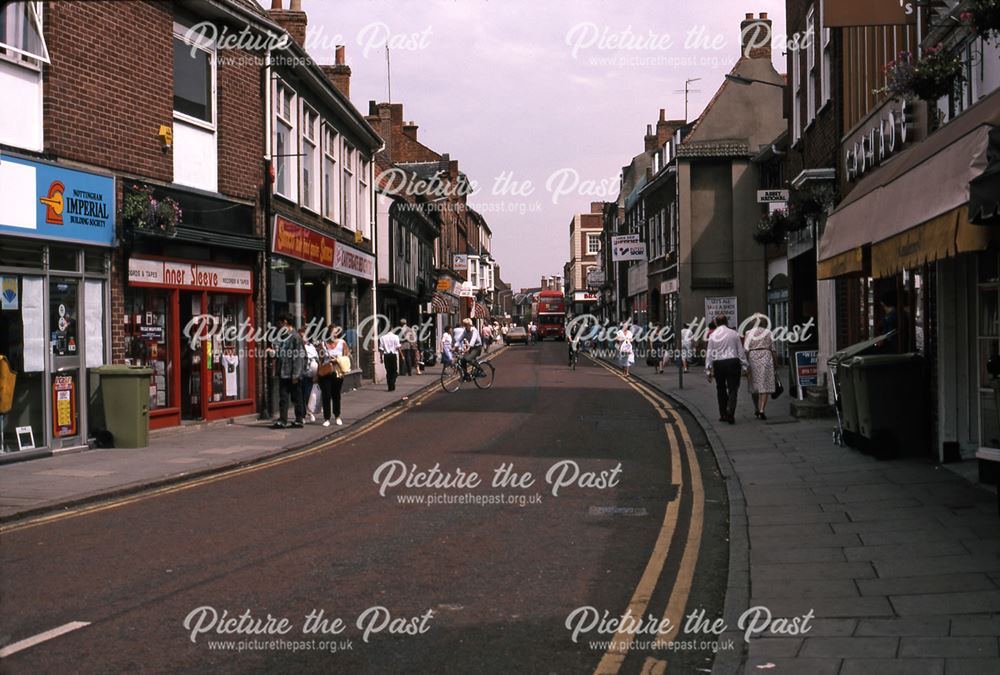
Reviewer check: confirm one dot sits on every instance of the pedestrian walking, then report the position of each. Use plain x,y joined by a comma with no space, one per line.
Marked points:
289,355
331,377
503,333
407,348
487,335
761,360
532,332
687,346
626,350
725,361
447,355
309,384
388,346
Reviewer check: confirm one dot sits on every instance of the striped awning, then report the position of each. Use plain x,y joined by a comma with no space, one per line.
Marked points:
440,304
480,311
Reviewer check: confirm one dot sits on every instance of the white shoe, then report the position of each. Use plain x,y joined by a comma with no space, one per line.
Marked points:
312,417
340,422
326,423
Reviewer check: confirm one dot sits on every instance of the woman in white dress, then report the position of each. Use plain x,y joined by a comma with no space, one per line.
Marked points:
625,347
761,357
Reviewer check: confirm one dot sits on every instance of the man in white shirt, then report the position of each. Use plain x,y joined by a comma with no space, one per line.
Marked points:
726,361
469,344
388,344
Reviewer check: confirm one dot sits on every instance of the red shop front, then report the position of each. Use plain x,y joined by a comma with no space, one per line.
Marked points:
192,323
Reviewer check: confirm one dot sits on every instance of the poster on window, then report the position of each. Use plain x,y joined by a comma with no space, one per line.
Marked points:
63,406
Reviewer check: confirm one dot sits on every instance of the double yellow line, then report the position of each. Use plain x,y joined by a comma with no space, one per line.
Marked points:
621,643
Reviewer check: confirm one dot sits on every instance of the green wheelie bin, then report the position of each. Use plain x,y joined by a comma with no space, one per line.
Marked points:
892,402
843,389
125,393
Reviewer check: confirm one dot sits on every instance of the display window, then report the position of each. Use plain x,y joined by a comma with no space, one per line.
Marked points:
147,316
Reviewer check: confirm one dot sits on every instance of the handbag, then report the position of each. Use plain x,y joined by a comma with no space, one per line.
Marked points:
778,387
325,369
341,365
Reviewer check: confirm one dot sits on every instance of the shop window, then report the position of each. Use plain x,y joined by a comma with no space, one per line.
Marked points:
347,189
64,259
21,36
146,322
14,255
227,359
95,262
285,158
310,158
26,408
330,177
63,318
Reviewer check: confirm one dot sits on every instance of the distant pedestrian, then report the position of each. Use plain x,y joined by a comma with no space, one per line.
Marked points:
626,350
532,332
487,335
407,348
388,346
503,333
331,382
447,355
761,359
687,347
309,384
289,355
725,360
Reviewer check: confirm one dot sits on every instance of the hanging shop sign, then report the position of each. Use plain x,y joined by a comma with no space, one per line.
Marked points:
460,262
769,196
595,277
883,135
354,262
49,201
63,406
669,286
627,247
840,13
144,272
297,241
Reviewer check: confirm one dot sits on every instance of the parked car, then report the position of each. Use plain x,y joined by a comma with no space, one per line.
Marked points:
517,334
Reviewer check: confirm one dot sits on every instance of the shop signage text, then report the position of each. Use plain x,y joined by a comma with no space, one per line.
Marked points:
878,140
583,296
299,242
627,247
723,305
768,196
669,286
348,260
806,373
187,275
839,13
53,202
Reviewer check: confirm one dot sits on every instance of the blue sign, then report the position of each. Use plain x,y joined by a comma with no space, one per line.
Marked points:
806,371
47,201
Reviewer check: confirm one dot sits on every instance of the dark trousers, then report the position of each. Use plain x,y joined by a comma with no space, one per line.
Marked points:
391,370
727,374
469,357
330,387
290,390
409,361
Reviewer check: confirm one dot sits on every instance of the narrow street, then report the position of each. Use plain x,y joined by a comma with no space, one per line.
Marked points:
314,533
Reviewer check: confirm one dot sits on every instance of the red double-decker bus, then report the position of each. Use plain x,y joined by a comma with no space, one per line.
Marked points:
550,315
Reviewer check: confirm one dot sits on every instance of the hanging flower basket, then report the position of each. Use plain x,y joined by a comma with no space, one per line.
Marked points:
771,228
984,18
143,212
928,78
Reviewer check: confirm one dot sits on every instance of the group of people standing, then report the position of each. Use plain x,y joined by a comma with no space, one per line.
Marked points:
310,374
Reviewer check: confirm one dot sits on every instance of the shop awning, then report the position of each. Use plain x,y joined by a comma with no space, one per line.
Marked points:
920,184
440,304
941,237
480,311
984,191
843,264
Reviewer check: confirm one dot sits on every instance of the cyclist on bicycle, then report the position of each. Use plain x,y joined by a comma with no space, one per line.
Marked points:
469,344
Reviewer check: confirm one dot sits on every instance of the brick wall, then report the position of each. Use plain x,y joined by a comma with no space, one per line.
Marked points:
240,125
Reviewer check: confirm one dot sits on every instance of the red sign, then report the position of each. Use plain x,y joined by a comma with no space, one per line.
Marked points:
838,13
63,406
297,241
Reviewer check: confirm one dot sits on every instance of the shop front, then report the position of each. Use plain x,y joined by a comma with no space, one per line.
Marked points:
193,324
56,228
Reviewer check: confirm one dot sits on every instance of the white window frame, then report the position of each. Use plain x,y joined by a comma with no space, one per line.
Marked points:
348,187
591,238
289,155
826,65
331,172
364,196
811,78
180,33
796,97
20,56
308,117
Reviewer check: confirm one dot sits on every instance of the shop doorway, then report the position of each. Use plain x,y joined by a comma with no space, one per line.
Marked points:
190,357
65,350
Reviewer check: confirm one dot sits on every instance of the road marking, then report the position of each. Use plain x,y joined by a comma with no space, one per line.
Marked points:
680,591
348,436
41,637
653,666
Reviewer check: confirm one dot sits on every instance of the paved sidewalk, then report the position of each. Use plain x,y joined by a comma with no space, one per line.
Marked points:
44,484
898,560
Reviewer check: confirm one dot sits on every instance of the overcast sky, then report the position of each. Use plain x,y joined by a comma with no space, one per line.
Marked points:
556,94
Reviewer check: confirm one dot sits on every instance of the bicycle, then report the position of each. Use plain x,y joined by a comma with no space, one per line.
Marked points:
482,375
572,357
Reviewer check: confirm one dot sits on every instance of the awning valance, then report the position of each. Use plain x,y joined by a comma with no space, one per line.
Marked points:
941,237
920,184
440,304
843,264
480,311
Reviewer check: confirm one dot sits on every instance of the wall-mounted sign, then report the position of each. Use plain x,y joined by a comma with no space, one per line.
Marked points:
885,133
838,13
63,406
146,272
297,241
444,284
52,202
768,196
669,286
460,262
627,247
722,305
595,277
466,290
354,262
584,296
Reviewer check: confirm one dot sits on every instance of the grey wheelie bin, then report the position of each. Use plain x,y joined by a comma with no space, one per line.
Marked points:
125,393
892,403
845,400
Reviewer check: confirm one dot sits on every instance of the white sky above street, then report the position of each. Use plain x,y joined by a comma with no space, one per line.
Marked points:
555,92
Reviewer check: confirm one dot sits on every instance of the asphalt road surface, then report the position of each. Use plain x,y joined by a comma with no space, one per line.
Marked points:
638,528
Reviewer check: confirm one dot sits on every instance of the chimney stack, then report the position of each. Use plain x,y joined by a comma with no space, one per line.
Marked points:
756,36
410,129
339,74
665,128
650,144
293,19
597,207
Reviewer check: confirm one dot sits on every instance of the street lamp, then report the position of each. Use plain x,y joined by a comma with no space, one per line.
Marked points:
739,79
